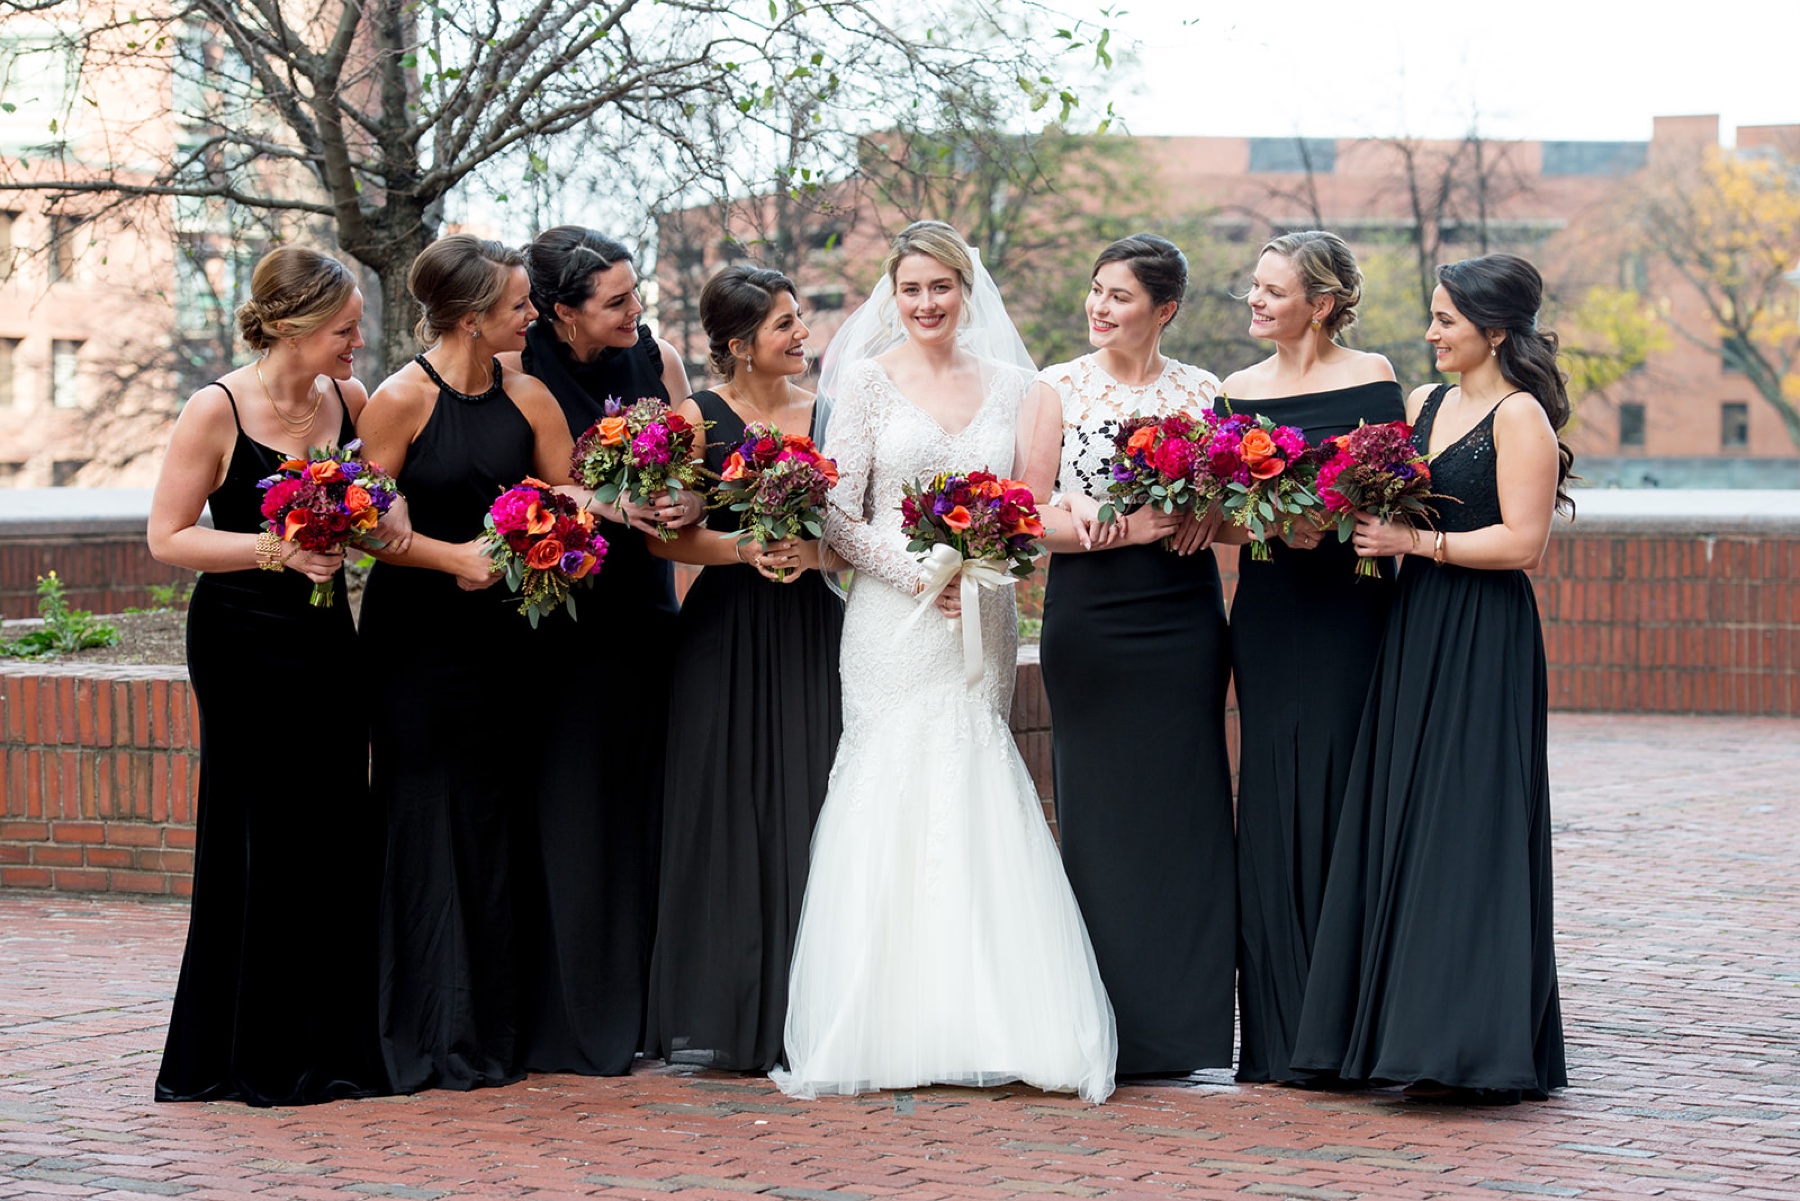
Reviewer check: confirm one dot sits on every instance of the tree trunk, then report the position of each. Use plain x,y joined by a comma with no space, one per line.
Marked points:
391,342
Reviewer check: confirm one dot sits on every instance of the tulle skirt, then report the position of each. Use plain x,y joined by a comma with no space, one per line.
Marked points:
939,939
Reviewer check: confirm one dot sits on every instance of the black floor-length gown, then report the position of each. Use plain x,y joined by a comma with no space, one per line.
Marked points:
595,822
455,744
1435,959
1305,630
756,683
1135,662
276,1001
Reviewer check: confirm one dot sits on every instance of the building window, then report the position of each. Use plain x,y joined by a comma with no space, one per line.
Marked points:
65,231
10,471
1734,425
1634,272
1317,156
65,366
1631,425
64,471
9,351
1605,159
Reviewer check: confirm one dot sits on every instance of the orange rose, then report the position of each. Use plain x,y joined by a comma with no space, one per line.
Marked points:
797,442
539,520
356,498
324,472
989,490
1267,469
734,467
613,431
958,518
1256,446
296,521
1143,438
545,554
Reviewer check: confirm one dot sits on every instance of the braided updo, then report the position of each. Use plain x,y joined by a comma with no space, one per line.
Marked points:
293,292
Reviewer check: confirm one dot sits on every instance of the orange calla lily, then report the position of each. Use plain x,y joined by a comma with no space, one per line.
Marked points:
734,467
539,520
958,518
297,520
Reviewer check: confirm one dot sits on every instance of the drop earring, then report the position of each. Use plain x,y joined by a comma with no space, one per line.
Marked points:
750,364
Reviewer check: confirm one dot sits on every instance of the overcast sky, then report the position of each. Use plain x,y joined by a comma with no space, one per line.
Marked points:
1574,69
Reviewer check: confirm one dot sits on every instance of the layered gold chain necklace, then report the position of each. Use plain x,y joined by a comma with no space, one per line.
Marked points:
297,427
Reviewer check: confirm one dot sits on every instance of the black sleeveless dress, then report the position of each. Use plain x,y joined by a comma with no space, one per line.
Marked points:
1305,629
756,683
1135,663
1434,959
456,741
276,1002
596,819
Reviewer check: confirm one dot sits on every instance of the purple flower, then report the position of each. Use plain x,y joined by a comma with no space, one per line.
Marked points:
612,407
571,562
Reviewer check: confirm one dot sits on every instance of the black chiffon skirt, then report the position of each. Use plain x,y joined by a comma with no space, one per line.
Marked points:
276,1000
1305,632
1135,663
1435,959
756,690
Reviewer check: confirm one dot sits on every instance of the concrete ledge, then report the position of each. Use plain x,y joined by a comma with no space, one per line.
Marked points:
1689,512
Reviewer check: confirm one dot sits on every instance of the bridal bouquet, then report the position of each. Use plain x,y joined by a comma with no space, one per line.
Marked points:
976,529
1374,469
545,543
328,500
777,484
1266,472
637,451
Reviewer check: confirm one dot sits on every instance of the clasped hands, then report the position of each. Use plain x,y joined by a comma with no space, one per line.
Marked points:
1187,531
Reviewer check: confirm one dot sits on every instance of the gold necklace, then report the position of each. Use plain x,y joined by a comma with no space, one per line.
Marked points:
738,395
296,427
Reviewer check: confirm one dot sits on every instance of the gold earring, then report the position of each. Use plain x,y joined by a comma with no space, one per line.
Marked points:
1315,323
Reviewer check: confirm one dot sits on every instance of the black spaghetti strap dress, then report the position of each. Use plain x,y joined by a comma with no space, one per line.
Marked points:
276,1001
595,822
1435,959
456,740
756,682
1305,629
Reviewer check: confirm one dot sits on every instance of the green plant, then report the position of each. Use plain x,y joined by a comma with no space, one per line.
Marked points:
64,629
165,596
1030,629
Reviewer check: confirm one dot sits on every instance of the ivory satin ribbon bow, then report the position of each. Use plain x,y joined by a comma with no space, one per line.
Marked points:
945,563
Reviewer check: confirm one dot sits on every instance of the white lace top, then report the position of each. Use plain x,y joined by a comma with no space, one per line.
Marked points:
883,441
1093,404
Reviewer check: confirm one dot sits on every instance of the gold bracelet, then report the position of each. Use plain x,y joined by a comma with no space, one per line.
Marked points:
1437,551
268,551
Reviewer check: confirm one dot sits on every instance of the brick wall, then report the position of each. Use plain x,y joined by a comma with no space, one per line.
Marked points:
103,572
99,771
98,765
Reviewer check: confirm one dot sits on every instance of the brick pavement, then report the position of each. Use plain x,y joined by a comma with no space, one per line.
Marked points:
1677,842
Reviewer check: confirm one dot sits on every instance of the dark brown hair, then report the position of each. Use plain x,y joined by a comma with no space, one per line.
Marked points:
733,305
455,276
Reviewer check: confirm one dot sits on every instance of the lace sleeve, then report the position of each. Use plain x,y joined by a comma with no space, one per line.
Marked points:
849,528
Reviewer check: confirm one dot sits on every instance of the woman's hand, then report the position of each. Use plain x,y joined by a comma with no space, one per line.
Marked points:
674,510
1197,530
1303,534
1094,533
1150,524
472,570
395,527
1377,538
949,601
316,565
782,560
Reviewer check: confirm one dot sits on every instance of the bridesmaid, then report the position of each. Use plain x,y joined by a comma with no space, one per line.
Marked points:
452,755
1300,707
756,680
595,826
276,1002
1135,663
1434,964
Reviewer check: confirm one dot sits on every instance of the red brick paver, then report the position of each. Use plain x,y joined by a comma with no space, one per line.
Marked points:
1678,843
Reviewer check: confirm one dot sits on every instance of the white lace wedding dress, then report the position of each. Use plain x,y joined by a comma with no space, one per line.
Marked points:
939,940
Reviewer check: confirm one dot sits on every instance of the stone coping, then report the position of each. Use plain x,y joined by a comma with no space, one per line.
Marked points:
1695,512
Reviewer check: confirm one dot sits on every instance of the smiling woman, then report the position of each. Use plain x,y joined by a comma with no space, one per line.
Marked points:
276,1000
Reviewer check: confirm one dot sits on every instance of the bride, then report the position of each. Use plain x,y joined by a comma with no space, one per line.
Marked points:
939,941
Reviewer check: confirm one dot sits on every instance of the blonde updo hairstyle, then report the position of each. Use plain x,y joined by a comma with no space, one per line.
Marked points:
1326,268
455,276
935,240
293,292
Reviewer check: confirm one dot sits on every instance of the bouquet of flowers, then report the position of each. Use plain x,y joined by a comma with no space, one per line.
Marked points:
545,543
980,516
330,499
1266,472
1153,464
637,451
1374,469
777,484
977,529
